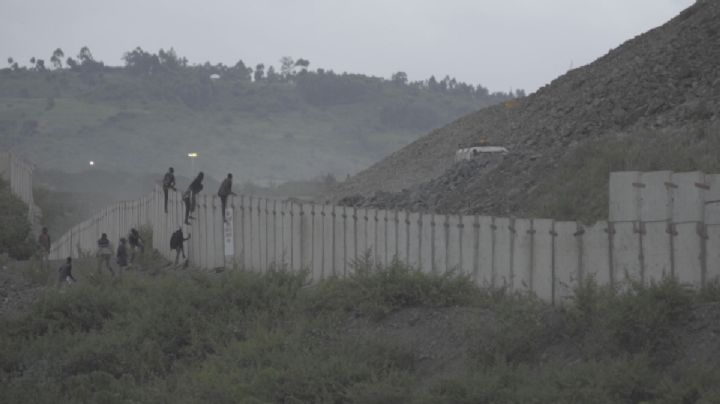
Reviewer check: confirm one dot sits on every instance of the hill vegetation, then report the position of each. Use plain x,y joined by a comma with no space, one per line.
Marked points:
382,335
267,124
15,237
651,104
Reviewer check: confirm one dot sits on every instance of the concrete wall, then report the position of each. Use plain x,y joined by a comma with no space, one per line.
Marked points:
666,224
660,225
19,173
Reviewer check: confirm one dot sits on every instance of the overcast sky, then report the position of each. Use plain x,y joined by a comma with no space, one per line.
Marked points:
501,44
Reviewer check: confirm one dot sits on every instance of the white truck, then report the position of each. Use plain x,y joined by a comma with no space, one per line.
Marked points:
469,153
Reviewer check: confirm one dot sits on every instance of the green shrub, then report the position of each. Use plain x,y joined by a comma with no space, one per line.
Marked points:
80,309
15,237
621,380
709,293
520,332
242,336
630,318
377,291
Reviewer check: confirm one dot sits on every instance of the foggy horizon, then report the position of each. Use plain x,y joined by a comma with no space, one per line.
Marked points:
499,45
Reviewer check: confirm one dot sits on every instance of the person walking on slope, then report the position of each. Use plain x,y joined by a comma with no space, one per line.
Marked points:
136,244
104,252
44,242
65,272
168,183
225,191
177,241
122,254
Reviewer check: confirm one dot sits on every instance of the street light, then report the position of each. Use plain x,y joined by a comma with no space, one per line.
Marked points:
192,156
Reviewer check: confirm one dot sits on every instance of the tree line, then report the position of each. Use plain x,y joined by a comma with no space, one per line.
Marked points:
312,84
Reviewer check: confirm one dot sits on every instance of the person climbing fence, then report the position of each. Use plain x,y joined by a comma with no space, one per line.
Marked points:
187,201
190,196
168,184
195,187
177,242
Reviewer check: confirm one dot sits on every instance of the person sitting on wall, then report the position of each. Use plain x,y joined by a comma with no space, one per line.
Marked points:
104,253
225,191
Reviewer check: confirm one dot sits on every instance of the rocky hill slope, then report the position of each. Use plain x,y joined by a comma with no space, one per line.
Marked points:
652,103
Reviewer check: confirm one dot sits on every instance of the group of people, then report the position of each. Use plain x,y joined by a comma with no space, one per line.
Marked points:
128,248
124,255
189,197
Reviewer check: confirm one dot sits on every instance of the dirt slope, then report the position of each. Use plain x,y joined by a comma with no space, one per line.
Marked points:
666,80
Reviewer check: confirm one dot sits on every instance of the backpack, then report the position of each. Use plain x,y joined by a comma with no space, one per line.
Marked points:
175,240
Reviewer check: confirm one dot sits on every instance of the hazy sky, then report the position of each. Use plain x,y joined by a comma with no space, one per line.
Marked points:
500,44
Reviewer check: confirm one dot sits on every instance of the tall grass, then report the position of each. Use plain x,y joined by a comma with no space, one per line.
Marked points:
188,336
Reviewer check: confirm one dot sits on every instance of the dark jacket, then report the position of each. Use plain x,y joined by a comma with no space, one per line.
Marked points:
44,241
65,271
196,186
104,247
225,188
122,255
178,239
169,180
134,238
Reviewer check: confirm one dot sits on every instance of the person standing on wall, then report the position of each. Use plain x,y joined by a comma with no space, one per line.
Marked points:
168,183
225,191
104,253
44,242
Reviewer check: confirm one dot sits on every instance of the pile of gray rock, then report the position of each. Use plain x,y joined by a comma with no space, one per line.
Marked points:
666,78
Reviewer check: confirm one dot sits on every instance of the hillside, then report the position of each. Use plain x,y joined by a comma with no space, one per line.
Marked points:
16,240
652,103
265,126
